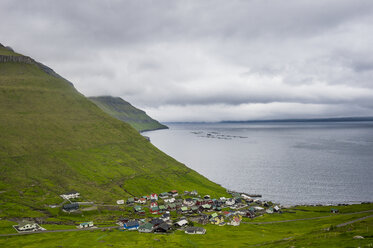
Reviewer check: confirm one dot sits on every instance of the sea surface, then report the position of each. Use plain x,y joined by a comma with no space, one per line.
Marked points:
288,163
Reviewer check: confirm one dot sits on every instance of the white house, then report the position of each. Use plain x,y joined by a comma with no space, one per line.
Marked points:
258,208
154,197
189,202
120,202
141,200
169,200
276,208
195,230
230,202
85,225
27,226
182,223
70,195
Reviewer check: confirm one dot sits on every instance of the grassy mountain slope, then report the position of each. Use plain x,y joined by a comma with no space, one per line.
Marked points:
122,110
53,139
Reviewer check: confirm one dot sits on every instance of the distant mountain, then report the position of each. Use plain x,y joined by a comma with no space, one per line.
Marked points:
54,140
124,111
335,119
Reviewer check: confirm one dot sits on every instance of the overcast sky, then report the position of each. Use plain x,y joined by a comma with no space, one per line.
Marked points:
206,60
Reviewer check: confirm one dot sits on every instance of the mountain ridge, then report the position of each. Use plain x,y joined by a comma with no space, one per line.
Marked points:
125,111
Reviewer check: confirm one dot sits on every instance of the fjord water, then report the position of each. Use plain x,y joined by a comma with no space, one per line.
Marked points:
289,163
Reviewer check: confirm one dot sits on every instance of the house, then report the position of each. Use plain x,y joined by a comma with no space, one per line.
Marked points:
236,220
194,193
184,209
173,193
122,220
206,197
171,206
182,223
162,207
213,215
250,214
188,202
162,228
70,207
165,217
153,204
156,222
70,195
27,226
204,219
154,197
334,210
230,202
120,202
257,208
170,200
131,225
85,225
246,197
222,199
130,200
194,209
206,206
218,220
146,228
141,200
276,208
163,195
269,211
137,208
195,230
154,210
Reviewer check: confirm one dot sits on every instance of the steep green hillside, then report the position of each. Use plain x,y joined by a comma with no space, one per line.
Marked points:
53,139
122,110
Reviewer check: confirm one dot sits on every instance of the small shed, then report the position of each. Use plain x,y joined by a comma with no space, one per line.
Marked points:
86,224
195,230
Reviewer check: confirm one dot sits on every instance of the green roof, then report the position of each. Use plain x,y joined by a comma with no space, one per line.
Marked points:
162,207
184,208
147,225
137,208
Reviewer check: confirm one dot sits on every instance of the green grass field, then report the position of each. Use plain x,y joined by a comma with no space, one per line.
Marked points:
308,233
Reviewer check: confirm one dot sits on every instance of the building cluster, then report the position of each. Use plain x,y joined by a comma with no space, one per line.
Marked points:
189,208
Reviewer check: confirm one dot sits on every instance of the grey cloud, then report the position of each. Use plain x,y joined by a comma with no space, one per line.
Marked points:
178,56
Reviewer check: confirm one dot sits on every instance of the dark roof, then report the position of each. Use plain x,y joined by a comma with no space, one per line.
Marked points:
156,221
193,229
71,206
163,227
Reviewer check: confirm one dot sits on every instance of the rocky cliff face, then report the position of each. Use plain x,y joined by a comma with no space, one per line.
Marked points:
16,59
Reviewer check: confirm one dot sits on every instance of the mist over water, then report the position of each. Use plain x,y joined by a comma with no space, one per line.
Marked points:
289,163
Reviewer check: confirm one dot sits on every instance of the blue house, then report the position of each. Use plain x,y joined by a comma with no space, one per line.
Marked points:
131,225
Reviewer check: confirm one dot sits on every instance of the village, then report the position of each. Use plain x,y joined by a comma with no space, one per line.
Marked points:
166,212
